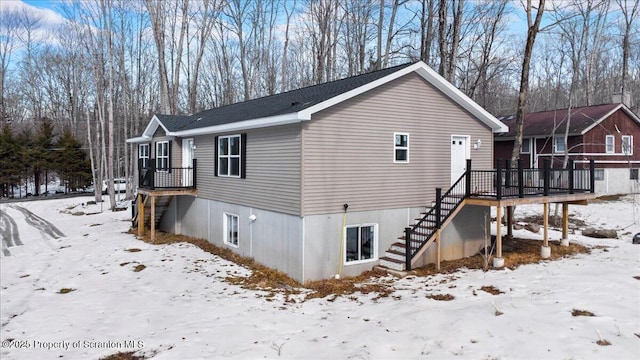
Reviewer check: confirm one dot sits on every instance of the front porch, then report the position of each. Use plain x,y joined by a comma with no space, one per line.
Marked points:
156,189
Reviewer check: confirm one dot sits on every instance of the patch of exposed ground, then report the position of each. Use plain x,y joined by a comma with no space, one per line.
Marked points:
577,312
554,221
516,252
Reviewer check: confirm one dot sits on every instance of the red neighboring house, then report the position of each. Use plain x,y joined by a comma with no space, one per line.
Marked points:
608,134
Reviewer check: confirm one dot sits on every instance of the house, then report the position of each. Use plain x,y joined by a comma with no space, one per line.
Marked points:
331,179
607,133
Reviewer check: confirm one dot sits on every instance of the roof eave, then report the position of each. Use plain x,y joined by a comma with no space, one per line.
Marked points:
284,119
624,108
461,99
433,78
138,140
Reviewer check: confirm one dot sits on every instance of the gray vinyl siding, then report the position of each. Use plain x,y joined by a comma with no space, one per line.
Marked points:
348,149
272,170
176,147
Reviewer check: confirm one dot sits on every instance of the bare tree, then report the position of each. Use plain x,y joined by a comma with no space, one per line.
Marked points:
289,10
176,13
533,26
427,16
629,15
9,26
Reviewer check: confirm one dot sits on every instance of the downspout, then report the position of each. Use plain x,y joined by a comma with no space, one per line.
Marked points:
342,241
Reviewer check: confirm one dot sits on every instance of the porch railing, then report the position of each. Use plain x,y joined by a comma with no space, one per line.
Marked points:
150,177
502,182
505,182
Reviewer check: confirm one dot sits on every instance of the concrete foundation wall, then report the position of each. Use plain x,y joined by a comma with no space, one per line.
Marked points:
273,239
463,237
324,239
312,248
617,181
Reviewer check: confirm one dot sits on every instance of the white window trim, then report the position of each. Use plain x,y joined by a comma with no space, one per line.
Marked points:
396,147
606,144
158,168
239,156
375,244
630,137
147,156
528,150
555,144
225,229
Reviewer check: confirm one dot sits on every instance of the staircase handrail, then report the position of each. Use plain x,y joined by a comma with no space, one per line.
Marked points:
433,212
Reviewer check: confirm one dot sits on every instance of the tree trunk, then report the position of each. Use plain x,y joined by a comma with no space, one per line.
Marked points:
532,31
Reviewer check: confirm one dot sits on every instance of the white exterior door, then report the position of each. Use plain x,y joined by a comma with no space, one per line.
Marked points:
460,152
187,162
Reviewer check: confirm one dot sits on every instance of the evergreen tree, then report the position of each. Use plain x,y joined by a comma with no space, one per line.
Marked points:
72,163
43,154
9,160
26,157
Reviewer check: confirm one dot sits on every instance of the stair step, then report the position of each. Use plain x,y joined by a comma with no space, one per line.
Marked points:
398,245
396,255
392,263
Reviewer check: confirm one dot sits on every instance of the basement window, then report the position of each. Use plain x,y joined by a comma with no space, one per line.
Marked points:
633,174
598,174
231,229
361,242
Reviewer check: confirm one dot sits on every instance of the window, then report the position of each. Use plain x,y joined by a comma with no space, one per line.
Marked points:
526,146
633,174
401,148
361,243
627,145
558,144
230,228
229,159
162,155
143,154
598,174
610,144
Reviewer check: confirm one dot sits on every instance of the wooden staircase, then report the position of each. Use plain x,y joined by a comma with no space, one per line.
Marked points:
162,204
426,229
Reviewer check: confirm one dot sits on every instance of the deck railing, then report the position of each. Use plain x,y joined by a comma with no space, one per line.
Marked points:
151,178
505,182
502,182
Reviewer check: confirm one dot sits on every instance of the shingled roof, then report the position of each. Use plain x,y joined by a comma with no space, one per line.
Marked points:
273,105
542,123
298,105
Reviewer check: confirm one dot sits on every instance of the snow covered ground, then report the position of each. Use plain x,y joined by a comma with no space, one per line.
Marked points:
179,306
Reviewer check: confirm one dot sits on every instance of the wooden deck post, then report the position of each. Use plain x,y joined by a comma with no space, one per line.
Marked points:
545,251
545,221
509,222
140,206
152,219
565,224
499,231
